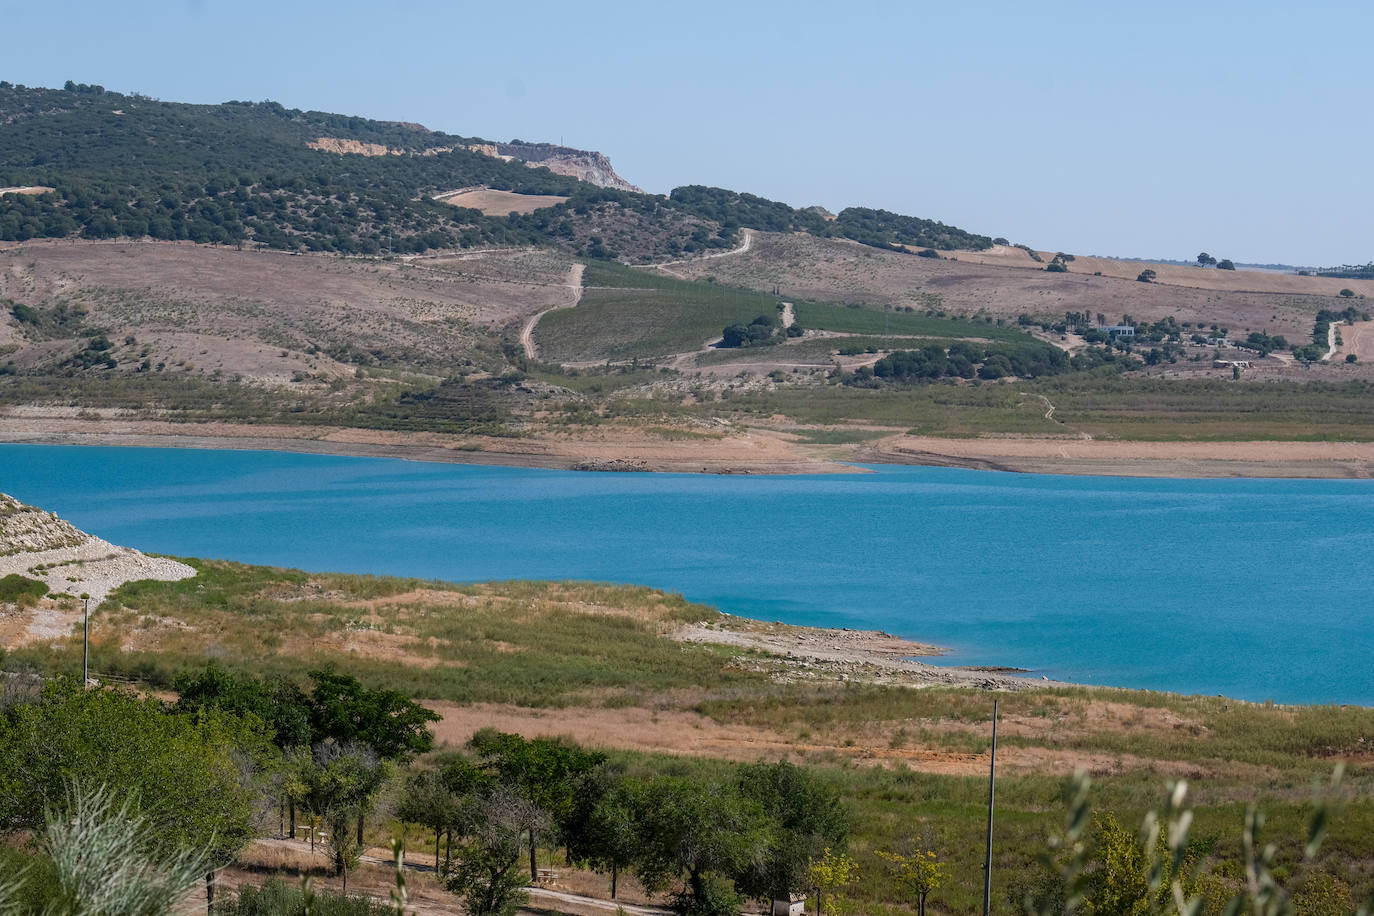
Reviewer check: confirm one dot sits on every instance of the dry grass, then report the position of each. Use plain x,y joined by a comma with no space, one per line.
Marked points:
1005,283
499,203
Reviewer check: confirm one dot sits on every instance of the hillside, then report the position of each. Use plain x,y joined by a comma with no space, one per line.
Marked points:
40,547
257,173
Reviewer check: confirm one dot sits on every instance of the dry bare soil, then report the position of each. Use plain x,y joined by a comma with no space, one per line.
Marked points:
1004,282
498,203
267,315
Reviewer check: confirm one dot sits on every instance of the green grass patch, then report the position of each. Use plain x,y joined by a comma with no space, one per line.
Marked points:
532,644
15,588
627,314
865,320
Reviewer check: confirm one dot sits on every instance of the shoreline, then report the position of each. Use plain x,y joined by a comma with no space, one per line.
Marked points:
755,451
844,654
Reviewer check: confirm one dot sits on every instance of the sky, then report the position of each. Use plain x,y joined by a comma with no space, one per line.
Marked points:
1157,129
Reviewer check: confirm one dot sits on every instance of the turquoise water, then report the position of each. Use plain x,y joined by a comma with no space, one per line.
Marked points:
1258,589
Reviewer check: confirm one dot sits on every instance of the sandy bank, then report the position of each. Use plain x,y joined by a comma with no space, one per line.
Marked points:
1114,458
813,653
752,451
620,449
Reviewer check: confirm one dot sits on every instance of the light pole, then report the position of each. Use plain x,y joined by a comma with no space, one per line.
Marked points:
85,640
992,785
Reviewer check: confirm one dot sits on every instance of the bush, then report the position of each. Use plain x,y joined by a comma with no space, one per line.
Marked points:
15,588
275,898
1348,293
1351,358
1146,276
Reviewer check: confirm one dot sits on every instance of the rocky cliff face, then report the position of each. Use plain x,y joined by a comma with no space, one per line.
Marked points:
584,165
24,529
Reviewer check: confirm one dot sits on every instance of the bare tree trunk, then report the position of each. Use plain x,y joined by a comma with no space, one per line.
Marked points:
291,805
534,868
615,872
281,816
438,835
360,828
209,891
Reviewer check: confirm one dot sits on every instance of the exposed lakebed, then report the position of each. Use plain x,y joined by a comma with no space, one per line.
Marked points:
1256,589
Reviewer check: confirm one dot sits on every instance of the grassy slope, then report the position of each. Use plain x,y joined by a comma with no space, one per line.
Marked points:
541,644
626,314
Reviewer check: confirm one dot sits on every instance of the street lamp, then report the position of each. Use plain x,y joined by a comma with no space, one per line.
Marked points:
85,640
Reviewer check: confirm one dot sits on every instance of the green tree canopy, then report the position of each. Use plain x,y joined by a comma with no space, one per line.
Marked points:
192,777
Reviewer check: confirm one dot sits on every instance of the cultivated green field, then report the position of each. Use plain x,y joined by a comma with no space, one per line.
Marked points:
629,314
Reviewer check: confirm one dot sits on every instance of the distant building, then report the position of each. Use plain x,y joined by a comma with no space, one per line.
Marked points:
1218,341
1119,330
795,905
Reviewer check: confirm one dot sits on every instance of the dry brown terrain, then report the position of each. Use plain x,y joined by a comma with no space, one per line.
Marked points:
607,447
1260,281
29,189
987,283
498,203
258,313
1131,459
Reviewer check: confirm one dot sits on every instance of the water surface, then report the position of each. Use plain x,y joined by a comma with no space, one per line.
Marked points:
1257,589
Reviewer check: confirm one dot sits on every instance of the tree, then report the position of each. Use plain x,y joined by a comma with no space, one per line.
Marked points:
485,869
280,705
388,721
394,726
829,875
602,832
544,771
700,833
335,783
736,335
1147,276
1205,260
806,819
1348,293
192,778
920,873
428,800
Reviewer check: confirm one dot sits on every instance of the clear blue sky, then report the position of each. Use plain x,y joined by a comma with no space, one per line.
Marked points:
1157,129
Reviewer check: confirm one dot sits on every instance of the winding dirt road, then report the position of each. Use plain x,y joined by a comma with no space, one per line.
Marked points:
527,332
746,242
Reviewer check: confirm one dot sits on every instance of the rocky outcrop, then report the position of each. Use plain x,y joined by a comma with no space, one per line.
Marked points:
352,147
584,165
24,529
39,545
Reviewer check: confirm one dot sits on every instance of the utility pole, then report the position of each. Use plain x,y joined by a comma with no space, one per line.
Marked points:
992,785
85,640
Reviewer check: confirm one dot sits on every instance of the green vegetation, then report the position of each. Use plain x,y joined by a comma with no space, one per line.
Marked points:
242,173
1102,404
17,589
248,723
629,314
526,643
854,319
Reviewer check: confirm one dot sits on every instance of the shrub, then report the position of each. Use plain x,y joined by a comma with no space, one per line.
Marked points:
1348,293
1351,358
15,588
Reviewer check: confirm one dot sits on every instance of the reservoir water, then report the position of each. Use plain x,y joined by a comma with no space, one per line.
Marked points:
1257,589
